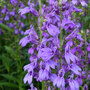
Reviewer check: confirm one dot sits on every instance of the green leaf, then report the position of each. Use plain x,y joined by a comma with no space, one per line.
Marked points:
87,18
5,27
10,77
81,88
8,84
26,25
21,88
2,67
11,52
13,73
5,61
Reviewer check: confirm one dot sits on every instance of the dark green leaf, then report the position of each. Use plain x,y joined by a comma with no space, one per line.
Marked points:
5,27
11,52
8,84
5,61
9,77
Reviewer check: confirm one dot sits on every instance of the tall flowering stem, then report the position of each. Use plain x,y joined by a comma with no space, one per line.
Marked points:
61,31
40,20
44,65
41,33
86,58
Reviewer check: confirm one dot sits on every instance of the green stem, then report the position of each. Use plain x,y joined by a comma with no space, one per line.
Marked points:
60,33
86,58
86,52
40,20
61,47
43,86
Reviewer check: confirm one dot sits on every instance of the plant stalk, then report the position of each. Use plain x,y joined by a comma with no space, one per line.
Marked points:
40,20
43,85
61,34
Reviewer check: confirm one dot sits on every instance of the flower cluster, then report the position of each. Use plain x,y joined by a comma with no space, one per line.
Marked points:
57,56
9,16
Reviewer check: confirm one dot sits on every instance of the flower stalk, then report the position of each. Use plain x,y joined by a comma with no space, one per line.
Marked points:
40,20
60,32
43,88
56,14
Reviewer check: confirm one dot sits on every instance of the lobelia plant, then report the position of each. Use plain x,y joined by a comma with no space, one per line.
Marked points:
57,57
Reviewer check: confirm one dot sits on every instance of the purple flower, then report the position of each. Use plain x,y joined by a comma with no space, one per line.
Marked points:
11,25
13,2
21,32
31,66
24,10
88,48
43,72
24,41
31,50
46,53
13,12
32,87
74,85
89,55
85,87
21,4
16,31
79,80
22,24
74,1
83,3
46,35
32,37
1,20
53,30
59,80
72,35
31,31
1,31
63,1
52,77
33,57
43,75
68,55
50,63
27,10
4,10
28,78
6,17
76,69
79,37
68,24
23,16
51,1
77,10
